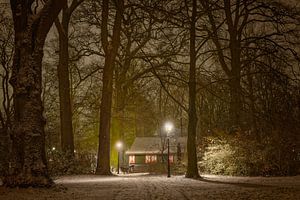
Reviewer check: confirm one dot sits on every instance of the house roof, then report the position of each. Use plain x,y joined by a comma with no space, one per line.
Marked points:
155,145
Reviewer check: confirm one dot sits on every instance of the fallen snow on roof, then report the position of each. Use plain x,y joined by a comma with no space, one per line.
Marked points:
155,145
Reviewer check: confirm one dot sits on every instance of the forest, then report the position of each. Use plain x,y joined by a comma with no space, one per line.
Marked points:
79,75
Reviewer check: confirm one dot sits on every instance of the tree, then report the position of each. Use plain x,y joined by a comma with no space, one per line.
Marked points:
192,168
177,29
137,32
31,25
110,50
6,55
236,25
190,29
235,28
266,38
66,128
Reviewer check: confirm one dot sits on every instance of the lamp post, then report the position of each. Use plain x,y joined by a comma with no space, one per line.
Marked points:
168,127
119,146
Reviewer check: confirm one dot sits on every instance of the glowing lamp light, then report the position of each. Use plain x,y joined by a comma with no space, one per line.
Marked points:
119,145
169,127
53,148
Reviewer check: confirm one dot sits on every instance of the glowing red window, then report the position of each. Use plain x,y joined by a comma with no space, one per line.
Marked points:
131,159
150,159
171,158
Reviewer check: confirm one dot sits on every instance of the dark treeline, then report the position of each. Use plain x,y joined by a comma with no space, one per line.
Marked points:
78,75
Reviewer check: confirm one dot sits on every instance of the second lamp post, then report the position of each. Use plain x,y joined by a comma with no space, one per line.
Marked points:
119,147
168,128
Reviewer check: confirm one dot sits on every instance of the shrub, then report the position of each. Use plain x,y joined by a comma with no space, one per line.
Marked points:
241,155
63,164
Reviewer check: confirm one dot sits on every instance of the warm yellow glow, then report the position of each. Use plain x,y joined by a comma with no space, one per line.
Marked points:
169,127
119,145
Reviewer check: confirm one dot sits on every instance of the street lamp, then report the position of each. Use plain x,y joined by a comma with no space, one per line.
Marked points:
119,147
168,128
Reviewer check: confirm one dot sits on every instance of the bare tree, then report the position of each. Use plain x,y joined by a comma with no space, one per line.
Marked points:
110,50
66,128
192,168
228,24
6,55
31,24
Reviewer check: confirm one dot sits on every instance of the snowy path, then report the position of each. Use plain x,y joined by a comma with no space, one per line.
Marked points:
146,187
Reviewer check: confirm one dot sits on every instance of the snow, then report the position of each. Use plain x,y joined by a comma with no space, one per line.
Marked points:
145,186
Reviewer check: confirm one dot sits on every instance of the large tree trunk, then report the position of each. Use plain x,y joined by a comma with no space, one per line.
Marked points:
29,166
5,126
121,91
110,49
118,120
4,152
235,72
235,79
192,168
66,128
103,162
5,111
235,107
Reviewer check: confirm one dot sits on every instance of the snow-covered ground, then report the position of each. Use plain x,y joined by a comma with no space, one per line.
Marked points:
143,186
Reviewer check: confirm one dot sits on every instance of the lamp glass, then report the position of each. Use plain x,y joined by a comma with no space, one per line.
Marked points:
169,127
119,145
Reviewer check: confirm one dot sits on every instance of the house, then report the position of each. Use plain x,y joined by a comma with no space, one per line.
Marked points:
147,153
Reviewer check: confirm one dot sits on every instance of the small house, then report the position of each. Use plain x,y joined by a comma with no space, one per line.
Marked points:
147,153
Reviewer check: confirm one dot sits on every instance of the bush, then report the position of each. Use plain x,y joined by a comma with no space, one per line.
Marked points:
63,164
240,155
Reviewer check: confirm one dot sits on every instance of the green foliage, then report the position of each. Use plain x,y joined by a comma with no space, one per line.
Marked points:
242,155
217,158
178,168
63,164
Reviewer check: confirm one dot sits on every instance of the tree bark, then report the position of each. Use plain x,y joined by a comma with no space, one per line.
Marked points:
236,23
66,127
235,107
235,72
110,50
5,111
29,165
103,162
4,152
192,168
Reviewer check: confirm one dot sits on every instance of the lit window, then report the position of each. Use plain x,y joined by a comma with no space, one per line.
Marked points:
131,159
154,158
147,159
150,159
171,158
